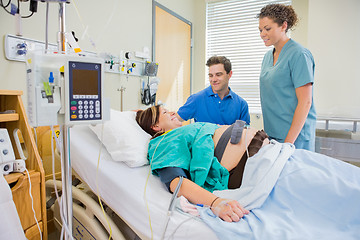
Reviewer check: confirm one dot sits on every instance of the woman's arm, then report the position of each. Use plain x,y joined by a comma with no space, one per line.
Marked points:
229,212
304,96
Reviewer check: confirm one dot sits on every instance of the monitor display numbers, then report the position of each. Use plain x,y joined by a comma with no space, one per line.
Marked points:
85,92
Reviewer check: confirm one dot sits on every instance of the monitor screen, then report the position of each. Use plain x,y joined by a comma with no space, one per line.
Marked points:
85,82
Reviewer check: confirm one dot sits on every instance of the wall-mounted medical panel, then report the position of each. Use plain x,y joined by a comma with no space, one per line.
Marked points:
17,47
126,63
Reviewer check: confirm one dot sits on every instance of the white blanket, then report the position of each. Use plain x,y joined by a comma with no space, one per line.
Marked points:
260,175
10,225
307,196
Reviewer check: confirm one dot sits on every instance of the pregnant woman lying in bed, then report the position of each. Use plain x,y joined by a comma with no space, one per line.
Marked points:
283,191
209,157
278,180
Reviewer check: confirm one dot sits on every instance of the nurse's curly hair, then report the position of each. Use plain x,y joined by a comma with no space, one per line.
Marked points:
280,13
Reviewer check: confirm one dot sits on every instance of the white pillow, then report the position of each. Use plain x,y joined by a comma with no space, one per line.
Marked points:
124,139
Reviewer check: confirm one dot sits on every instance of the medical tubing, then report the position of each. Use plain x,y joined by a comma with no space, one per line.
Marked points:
62,234
58,145
63,220
246,146
4,6
165,225
178,226
47,28
177,189
82,23
32,203
67,231
109,22
146,183
97,181
171,206
35,136
147,205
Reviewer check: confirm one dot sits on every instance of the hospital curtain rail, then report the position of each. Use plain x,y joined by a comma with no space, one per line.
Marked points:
232,30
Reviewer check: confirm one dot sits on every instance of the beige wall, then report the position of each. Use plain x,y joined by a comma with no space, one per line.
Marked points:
118,25
327,27
300,33
333,39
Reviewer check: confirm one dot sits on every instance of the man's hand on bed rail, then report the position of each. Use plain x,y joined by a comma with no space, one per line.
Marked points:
228,210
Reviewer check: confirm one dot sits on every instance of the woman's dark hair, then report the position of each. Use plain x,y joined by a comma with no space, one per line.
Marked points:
148,118
280,13
220,60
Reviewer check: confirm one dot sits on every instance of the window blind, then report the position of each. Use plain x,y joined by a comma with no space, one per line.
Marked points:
232,30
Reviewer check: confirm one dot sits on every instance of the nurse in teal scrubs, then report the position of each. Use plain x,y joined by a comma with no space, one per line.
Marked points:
286,80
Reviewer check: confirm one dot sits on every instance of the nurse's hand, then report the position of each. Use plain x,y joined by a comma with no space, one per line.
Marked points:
228,210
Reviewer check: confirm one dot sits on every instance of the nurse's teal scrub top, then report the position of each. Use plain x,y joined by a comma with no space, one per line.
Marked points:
294,68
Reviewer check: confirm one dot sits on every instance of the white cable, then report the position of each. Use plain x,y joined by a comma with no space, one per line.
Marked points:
64,224
146,183
84,27
35,136
171,206
57,140
62,233
178,226
109,21
246,146
47,28
32,204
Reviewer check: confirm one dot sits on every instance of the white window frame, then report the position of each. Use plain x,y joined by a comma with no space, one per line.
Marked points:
232,30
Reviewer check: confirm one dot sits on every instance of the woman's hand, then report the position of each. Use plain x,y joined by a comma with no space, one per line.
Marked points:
228,210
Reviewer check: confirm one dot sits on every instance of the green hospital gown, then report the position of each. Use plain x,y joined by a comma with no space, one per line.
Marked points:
190,147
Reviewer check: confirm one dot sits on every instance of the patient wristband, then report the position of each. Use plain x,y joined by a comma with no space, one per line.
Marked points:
213,201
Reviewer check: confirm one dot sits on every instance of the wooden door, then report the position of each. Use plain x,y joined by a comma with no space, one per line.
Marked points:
172,43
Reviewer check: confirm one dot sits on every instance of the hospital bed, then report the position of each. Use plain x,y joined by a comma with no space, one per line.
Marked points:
122,187
291,193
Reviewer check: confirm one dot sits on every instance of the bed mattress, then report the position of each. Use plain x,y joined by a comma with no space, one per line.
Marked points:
122,188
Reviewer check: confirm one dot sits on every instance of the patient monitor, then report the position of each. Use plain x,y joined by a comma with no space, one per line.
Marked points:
65,89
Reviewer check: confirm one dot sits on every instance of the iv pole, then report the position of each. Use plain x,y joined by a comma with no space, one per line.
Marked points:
65,158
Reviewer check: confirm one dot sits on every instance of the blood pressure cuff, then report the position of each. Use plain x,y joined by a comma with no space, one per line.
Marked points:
168,174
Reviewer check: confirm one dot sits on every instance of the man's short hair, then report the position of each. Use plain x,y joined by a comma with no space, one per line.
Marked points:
220,59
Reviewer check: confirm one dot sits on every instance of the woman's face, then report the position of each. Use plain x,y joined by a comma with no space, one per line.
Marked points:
167,121
270,32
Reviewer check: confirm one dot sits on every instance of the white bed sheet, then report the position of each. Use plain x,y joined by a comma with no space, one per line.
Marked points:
122,188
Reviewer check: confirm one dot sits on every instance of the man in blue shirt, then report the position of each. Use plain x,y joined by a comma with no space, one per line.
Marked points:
218,103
